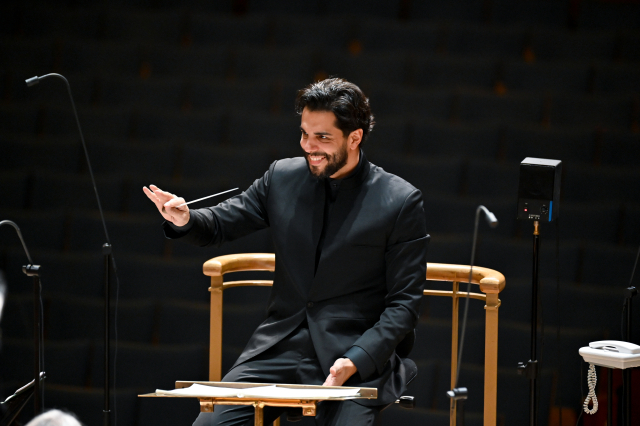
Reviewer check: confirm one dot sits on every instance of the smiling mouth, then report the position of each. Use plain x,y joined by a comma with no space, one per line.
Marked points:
315,159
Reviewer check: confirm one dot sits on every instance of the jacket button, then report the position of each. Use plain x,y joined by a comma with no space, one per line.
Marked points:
310,305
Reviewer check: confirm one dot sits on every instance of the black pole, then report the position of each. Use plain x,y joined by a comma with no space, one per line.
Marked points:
34,271
626,385
106,251
533,394
37,400
609,396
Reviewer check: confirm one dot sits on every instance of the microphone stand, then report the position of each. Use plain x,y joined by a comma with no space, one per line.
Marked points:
630,292
530,368
32,270
458,395
106,251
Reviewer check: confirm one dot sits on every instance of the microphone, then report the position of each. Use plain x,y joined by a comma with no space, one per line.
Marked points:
462,393
32,81
490,217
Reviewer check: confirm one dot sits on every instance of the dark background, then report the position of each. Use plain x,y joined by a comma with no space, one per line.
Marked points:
197,97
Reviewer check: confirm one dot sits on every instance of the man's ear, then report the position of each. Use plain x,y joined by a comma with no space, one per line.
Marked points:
355,138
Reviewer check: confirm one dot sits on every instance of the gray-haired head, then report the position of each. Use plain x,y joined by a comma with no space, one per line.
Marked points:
54,418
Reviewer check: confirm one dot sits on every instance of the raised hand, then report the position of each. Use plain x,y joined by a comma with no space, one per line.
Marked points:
166,203
340,372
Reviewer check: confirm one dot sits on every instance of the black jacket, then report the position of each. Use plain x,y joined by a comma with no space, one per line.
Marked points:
365,295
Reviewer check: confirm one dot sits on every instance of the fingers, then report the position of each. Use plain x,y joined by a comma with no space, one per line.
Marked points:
175,202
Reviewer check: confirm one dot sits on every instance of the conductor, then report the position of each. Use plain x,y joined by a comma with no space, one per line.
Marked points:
350,244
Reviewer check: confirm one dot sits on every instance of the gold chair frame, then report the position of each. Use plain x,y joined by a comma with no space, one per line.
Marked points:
491,283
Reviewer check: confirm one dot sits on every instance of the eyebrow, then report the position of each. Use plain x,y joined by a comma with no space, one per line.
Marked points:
317,133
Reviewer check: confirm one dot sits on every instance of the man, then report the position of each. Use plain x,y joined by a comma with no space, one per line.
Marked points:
350,242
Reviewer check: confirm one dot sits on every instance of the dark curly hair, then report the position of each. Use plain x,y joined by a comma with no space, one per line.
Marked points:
344,99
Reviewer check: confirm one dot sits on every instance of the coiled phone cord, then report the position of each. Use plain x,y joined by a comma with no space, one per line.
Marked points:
591,381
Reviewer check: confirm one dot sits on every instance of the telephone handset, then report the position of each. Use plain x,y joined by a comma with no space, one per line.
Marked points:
616,346
610,354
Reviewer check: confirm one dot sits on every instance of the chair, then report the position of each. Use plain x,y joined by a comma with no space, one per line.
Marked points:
491,283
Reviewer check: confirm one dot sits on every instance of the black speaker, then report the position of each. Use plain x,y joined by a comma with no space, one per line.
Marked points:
539,189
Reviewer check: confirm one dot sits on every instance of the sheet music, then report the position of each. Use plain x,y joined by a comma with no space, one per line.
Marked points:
273,392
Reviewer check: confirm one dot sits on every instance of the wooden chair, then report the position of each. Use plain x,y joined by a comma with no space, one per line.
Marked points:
491,283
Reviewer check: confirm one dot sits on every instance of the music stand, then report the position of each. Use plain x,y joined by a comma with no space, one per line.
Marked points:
307,403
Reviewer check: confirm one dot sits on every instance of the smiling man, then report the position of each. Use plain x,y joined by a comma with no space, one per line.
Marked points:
350,242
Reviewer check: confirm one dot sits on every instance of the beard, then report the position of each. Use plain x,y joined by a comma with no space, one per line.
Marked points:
334,162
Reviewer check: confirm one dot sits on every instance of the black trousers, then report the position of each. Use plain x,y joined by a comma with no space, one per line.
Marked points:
292,360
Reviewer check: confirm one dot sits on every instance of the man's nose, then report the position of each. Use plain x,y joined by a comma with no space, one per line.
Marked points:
309,145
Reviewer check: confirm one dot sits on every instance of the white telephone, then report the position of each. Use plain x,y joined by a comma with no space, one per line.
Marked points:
607,353
612,354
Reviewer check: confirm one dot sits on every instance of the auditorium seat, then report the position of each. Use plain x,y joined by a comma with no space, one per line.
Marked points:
165,93
40,230
144,277
250,96
387,101
277,64
571,145
308,9
193,126
277,133
21,152
135,318
579,46
456,140
192,63
390,136
491,108
17,360
110,122
147,367
444,10
19,119
388,67
617,78
142,26
555,77
589,222
66,362
611,185
250,30
17,313
631,225
530,12
630,46
182,323
57,190
431,176
32,56
437,72
229,166
101,58
312,32
153,159
73,274
610,16
377,35
482,41
607,112
608,266
492,179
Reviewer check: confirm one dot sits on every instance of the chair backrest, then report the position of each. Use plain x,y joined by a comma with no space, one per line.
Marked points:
490,283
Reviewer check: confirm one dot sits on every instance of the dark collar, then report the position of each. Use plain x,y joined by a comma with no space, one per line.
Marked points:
357,176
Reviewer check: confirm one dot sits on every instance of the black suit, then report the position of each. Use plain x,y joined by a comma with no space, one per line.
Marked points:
359,290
